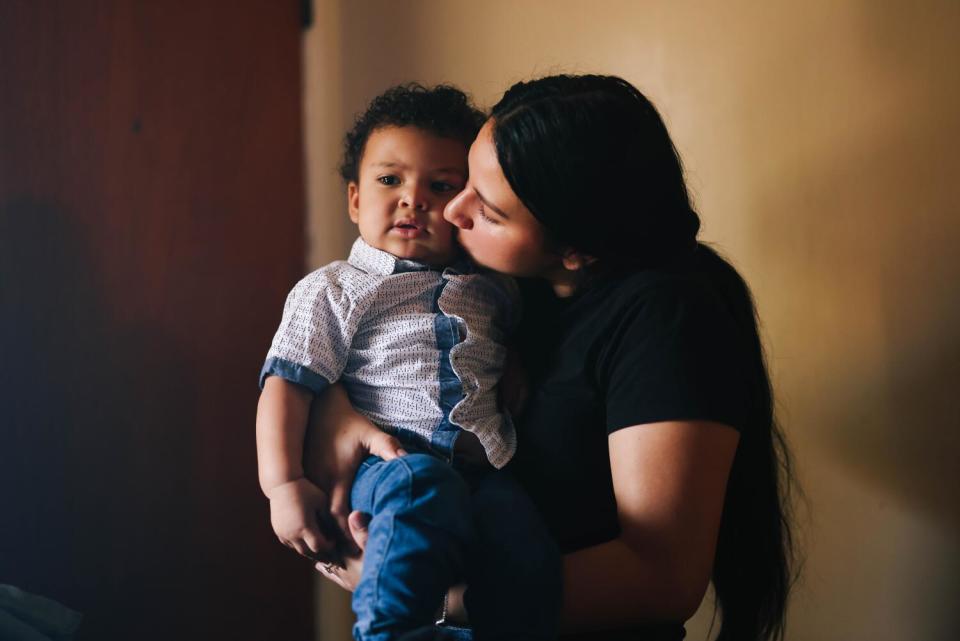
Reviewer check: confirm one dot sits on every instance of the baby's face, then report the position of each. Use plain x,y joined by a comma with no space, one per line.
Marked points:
406,178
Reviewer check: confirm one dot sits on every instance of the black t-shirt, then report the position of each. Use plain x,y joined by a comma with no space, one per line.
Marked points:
650,346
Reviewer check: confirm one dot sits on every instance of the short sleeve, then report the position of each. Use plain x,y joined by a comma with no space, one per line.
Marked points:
674,354
311,346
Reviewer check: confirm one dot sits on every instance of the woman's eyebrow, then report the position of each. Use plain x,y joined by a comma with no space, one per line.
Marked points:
489,204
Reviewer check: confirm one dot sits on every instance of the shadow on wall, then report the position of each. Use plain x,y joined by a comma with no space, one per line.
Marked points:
92,441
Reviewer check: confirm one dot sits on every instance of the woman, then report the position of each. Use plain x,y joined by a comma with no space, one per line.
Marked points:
647,440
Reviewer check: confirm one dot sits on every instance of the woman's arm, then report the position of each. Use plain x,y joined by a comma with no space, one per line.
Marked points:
669,480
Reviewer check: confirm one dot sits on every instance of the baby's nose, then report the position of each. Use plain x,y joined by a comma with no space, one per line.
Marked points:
415,197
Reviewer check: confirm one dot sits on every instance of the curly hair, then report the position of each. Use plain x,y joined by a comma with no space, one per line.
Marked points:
443,111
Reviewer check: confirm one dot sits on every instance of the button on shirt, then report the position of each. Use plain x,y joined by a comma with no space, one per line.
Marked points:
419,349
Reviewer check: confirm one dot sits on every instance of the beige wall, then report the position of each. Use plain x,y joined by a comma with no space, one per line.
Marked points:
819,140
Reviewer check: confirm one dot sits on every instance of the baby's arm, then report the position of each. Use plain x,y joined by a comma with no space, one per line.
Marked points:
308,352
296,504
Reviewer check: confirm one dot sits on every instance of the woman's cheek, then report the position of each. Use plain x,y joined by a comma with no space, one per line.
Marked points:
515,255
485,246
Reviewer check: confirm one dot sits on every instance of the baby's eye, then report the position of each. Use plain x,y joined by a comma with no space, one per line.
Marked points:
441,187
389,181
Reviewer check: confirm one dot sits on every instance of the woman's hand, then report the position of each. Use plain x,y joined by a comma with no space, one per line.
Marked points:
347,576
338,438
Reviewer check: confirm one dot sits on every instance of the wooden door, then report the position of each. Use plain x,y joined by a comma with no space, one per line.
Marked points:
151,215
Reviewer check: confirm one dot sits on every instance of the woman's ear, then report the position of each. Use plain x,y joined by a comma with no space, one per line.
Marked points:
353,201
575,261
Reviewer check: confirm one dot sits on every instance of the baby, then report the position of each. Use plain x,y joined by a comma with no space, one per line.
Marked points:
416,335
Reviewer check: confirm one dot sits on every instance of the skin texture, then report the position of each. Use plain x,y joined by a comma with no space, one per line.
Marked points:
407,176
669,478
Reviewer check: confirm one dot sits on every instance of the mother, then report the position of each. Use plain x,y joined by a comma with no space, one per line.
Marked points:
648,440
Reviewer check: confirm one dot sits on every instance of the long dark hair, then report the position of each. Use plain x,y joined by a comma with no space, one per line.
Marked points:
590,157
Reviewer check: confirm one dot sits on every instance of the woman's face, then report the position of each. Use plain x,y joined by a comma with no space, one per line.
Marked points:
493,225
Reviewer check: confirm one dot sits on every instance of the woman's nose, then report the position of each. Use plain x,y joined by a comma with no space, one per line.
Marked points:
456,211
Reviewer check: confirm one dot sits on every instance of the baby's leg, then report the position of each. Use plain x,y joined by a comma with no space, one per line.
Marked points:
513,572
418,533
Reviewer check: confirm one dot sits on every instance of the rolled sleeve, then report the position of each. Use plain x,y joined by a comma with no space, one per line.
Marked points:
312,344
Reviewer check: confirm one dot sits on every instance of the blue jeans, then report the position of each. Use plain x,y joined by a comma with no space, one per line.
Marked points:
432,527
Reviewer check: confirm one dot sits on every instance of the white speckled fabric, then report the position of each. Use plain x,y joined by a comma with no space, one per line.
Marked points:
418,349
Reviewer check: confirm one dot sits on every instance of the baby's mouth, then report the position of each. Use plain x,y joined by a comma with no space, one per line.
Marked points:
408,229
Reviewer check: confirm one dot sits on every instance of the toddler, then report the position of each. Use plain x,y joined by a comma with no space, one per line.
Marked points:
416,335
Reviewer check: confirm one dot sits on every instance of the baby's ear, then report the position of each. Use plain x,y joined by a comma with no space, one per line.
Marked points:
353,201
574,260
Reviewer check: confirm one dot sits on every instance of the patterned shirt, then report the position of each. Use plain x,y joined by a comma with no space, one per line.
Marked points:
418,349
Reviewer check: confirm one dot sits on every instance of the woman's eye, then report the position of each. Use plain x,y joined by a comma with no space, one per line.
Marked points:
390,181
487,219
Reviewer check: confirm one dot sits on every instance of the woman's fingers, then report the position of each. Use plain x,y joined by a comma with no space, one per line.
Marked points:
347,576
331,572
358,528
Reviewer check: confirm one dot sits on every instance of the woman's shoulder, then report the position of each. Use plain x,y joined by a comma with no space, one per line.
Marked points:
673,346
688,297
655,292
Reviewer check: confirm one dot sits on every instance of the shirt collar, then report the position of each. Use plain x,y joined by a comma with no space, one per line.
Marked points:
376,261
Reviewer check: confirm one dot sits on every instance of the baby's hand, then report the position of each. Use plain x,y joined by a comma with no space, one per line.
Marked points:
294,510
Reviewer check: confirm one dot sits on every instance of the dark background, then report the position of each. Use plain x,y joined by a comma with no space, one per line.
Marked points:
151,214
